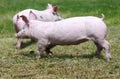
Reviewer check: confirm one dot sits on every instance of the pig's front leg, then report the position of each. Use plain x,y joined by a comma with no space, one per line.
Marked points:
41,49
48,50
19,41
99,49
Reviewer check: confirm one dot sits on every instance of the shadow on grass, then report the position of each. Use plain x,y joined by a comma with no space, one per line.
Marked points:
26,44
32,54
83,56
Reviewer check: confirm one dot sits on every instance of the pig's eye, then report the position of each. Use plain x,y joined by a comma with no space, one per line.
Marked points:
55,13
41,17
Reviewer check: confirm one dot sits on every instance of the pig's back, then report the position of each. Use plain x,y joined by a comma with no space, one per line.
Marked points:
75,29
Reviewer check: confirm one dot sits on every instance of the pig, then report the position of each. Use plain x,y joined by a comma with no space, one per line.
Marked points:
70,31
50,14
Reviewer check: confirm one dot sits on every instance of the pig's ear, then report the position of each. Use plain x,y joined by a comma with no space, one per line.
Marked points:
24,18
49,6
17,17
55,8
32,16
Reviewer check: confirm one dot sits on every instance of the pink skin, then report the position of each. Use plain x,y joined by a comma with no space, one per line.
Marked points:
69,31
50,14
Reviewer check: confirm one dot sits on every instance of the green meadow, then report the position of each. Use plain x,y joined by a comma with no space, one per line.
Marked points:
68,62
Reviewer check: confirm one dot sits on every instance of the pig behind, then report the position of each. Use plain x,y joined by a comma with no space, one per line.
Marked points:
49,14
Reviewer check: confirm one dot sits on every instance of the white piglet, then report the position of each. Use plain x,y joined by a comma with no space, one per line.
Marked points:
69,31
50,14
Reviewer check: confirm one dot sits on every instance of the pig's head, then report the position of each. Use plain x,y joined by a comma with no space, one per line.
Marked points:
19,23
24,32
53,13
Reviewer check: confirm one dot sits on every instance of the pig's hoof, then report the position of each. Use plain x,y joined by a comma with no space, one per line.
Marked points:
17,47
50,54
97,55
109,59
38,57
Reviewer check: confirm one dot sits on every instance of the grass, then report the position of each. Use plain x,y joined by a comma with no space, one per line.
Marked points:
68,62
67,8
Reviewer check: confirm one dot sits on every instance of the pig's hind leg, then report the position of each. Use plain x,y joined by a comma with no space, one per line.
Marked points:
99,49
103,44
48,50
